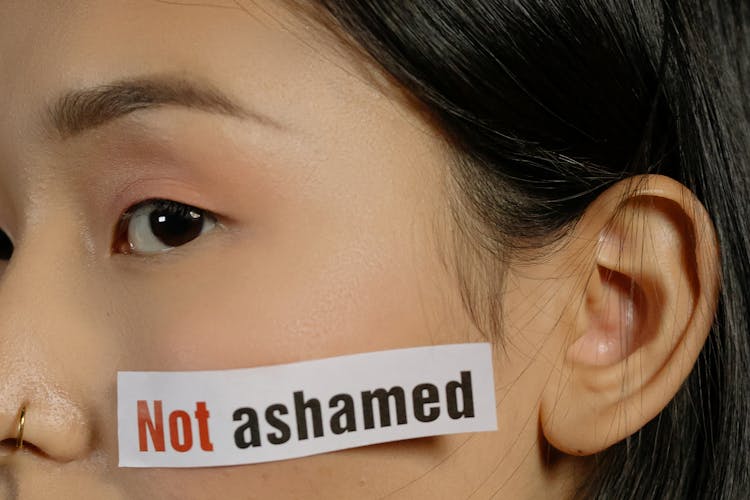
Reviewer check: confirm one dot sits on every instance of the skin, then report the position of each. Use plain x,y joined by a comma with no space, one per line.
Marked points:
332,235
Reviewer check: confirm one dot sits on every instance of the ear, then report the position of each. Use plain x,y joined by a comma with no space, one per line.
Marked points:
648,300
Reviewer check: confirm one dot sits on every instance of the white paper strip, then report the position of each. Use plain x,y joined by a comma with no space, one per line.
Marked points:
230,417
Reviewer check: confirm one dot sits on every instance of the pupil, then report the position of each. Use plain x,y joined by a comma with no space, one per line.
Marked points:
6,246
175,228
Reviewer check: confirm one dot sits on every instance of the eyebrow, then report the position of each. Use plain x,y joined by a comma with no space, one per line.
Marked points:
79,110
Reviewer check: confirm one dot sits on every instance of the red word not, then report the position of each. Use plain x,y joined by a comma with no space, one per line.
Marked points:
180,427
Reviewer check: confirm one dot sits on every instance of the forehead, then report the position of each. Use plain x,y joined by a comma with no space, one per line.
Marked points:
260,52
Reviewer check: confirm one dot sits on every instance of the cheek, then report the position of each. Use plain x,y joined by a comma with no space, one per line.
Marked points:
261,304
268,301
368,472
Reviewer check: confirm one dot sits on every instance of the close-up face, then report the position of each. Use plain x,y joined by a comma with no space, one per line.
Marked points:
246,187
309,218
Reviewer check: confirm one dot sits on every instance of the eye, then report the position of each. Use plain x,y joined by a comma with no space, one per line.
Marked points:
6,246
157,225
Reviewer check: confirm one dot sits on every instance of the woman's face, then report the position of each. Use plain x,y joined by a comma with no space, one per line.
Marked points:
325,233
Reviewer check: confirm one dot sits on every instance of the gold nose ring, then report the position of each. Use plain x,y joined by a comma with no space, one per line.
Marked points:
21,422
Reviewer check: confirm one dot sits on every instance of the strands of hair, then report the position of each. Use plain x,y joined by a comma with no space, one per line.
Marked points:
549,102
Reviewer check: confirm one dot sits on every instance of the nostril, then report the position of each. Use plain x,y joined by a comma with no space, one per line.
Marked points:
8,447
6,246
57,432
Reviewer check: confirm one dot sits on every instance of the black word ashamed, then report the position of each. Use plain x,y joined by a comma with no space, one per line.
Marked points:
182,430
311,418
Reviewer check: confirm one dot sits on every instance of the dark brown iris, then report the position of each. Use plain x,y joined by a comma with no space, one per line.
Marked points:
176,225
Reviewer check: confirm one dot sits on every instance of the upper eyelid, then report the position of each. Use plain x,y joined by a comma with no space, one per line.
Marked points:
164,202
156,187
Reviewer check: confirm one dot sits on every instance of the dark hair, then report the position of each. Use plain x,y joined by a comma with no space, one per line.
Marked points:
549,102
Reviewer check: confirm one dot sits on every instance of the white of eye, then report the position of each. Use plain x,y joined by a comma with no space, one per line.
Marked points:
158,226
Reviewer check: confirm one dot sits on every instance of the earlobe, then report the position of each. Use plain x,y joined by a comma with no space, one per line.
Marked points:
646,310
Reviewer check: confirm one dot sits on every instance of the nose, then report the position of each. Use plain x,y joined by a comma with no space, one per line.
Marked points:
49,347
49,424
